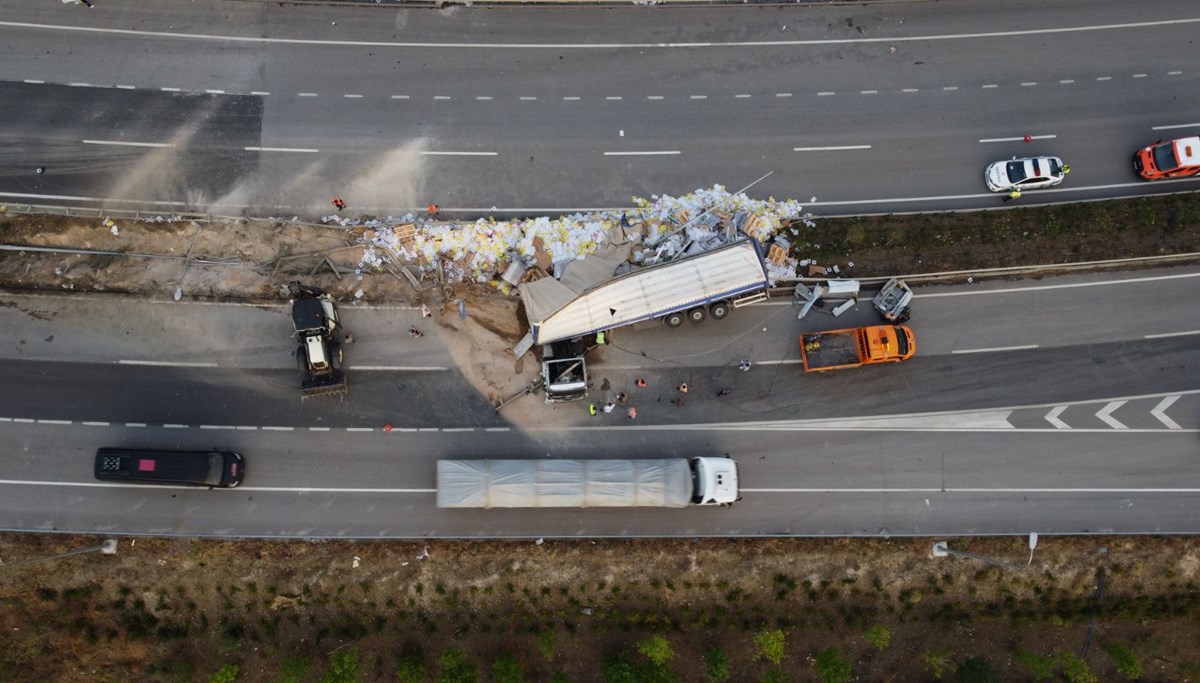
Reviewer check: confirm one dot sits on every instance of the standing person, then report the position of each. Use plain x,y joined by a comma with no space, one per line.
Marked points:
622,398
632,413
592,410
608,407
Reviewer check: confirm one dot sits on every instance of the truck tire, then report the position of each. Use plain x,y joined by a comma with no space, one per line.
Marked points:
335,356
719,310
903,316
673,319
301,361
698,314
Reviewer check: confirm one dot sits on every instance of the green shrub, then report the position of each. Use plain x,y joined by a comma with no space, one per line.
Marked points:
976,670
657,650
1040,668
831,667
455,668
411,668
1076,670
1128,664
292,670
879,637
716,665
548,644
938,662
343,667
769,645
226,674
507,669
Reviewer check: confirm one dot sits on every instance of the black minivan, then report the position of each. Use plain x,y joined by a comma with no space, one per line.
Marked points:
214,469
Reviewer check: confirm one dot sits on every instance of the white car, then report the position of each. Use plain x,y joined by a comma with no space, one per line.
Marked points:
1024,174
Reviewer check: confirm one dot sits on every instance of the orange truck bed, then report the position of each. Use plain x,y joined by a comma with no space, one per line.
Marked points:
850,348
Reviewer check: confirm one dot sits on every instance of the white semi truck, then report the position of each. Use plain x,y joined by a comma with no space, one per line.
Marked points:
672,483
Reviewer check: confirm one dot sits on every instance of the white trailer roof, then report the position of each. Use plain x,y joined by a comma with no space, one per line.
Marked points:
563,483
640,295
1188,151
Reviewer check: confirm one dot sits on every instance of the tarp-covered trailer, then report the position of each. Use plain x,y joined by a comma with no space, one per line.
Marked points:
674,483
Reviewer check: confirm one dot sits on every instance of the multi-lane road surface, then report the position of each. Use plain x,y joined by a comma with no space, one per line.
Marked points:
233,107
1063,405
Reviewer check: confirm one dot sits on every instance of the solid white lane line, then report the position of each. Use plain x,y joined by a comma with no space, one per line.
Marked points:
1105,414
280,489
459,154
600,46
1019,138
1160,412
399,368
788,361
167,363
298,150
1164,335
628,154
1023,347
1052,418
829,149
953,489
120,143
1068,285
981,195
1181,125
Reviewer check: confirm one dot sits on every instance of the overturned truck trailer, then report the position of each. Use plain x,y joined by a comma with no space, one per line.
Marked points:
672,483
590,302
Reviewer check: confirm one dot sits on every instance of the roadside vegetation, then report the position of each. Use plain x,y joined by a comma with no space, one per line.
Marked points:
616,611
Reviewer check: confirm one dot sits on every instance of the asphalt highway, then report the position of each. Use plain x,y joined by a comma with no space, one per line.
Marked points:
253,107
1065,405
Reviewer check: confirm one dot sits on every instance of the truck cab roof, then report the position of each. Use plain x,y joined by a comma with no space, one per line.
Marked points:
718,477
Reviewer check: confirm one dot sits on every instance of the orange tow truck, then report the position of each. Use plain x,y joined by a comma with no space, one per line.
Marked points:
838,349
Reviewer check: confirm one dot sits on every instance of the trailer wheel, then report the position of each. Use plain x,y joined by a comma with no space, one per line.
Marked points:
673,319
698,314
719,310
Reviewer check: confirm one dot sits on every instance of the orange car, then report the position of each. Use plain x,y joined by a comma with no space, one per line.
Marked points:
1168,159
